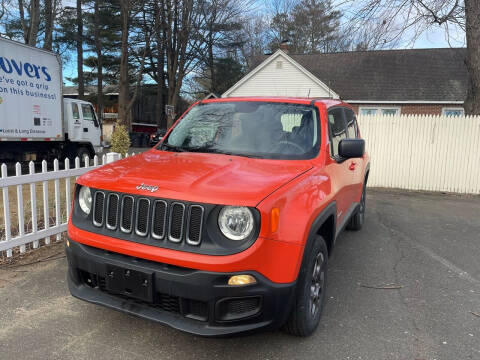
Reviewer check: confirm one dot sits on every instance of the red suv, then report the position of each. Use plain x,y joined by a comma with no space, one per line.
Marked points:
226,225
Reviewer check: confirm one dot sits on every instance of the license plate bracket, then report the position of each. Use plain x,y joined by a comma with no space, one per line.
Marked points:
135,284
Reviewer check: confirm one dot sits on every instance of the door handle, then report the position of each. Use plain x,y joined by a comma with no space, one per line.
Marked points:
352,166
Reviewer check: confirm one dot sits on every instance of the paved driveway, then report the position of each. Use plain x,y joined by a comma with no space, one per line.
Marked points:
429,244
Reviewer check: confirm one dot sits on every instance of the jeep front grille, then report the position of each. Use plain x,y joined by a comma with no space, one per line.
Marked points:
143,209
176,222
127,214
159,219
149,217
112,211
98,208
195,224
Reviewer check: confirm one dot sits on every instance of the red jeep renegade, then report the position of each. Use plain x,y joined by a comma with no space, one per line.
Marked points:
227,224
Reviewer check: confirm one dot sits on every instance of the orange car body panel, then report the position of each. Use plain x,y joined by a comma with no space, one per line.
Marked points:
300,189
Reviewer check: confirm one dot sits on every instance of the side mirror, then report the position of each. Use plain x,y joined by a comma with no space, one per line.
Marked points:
351,148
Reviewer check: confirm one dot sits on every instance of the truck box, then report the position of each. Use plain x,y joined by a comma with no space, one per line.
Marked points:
31,104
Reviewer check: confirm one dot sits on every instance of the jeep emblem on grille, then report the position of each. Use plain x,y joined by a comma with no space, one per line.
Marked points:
150,188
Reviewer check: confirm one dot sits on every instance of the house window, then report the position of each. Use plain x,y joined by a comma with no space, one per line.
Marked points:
380,110
453,112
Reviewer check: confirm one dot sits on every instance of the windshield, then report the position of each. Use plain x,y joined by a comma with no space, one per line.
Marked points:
255,129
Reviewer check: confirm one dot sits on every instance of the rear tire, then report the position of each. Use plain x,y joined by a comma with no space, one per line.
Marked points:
310,294
357,220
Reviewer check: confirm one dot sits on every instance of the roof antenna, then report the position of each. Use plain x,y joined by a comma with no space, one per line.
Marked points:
309,92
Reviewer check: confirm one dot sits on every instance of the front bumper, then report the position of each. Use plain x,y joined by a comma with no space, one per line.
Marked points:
198,302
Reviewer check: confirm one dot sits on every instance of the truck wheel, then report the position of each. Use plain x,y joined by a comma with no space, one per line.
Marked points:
82,153
311,289
357,220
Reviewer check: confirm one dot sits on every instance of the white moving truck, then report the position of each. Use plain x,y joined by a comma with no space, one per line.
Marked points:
36,123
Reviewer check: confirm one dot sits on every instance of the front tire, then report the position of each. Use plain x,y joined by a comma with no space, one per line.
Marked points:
311,289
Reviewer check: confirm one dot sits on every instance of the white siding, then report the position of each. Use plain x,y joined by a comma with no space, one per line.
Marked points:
288,80
418,152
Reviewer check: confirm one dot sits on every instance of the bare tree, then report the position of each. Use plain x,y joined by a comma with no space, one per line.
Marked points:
218,30
160,42
125,102
124,84
34,22
30,24
179,19
49,14
2,8
399,19
472,10
98,51
254,38
79,41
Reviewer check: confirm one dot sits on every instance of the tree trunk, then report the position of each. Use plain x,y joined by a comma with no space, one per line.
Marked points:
81,85
123,93
49,16
160,38
211,62
21,11
178,26
98,50
34,22
472,12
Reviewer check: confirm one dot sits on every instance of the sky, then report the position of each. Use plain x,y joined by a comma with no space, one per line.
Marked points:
434,37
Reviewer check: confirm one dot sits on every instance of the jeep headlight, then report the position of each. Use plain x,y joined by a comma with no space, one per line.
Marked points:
85,199
236,222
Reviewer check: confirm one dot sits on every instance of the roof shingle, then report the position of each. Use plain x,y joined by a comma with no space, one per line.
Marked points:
391,75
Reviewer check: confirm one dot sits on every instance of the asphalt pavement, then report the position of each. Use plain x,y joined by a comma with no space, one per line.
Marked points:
427,246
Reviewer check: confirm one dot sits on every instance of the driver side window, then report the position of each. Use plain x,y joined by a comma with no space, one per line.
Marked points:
89,114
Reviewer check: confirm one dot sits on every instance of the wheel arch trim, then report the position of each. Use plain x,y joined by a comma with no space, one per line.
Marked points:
329,211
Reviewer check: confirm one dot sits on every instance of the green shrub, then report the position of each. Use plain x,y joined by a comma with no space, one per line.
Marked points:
120,140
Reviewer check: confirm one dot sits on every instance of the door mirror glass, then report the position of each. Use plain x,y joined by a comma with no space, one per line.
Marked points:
351,148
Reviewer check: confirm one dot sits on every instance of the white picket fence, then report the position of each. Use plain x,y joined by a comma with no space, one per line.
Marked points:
421,152
432,153
50,224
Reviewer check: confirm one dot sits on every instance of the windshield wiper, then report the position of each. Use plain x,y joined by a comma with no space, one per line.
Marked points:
205,149
212,150
166,146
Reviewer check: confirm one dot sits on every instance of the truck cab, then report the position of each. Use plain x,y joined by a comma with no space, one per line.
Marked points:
82,127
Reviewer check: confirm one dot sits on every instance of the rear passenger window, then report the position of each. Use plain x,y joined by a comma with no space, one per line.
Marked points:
351,124
337,129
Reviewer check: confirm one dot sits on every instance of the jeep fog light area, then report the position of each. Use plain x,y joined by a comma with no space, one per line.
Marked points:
227,224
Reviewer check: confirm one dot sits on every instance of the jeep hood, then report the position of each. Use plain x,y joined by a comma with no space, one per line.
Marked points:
197,177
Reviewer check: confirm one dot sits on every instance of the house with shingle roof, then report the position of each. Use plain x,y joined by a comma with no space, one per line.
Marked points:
410,81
